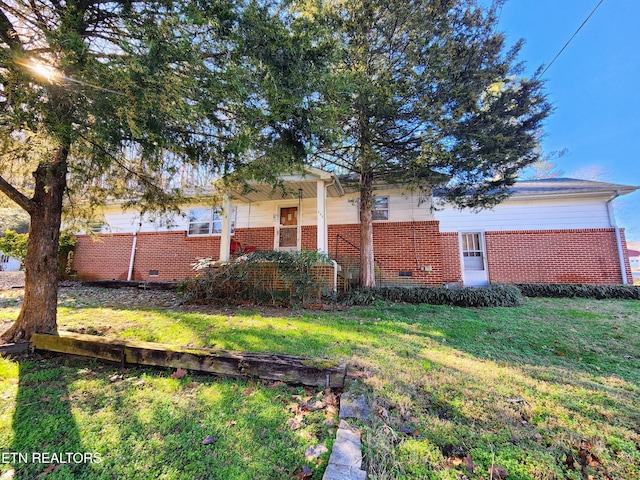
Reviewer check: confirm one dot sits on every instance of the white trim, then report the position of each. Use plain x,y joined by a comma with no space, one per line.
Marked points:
276,216
483,244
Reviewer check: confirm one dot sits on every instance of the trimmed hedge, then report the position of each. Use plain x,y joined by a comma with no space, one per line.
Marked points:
564,290
492,296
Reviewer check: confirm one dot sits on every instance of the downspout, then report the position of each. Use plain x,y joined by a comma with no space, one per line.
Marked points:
326,222
335,275
133,251
612,221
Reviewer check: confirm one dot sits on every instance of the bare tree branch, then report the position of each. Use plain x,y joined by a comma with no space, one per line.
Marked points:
18,197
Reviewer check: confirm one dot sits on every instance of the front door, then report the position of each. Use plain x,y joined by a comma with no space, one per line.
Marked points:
474,261
288,229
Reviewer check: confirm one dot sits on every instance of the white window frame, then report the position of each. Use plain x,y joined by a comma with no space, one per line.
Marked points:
215,218
377,198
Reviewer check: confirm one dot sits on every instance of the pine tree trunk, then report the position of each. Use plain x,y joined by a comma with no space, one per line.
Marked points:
39,307
367,266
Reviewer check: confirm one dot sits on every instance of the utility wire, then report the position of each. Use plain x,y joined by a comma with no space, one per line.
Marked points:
572,37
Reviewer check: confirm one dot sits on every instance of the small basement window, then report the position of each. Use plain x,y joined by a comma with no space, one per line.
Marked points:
154,273
405,273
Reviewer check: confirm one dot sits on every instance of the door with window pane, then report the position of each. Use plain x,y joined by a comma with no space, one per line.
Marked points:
474,264
288,229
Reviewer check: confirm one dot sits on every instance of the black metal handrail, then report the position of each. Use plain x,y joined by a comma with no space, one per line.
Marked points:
375,261
340,237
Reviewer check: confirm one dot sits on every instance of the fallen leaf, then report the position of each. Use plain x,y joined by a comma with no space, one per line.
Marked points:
312,453
51,468
116,377
496,472
570,462
178,374
305,473
468,462
192,385
294,423
277,384
45,400
317,405
208,441
64,399
383,413
248,391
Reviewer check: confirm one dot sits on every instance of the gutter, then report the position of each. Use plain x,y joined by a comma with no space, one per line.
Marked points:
612,221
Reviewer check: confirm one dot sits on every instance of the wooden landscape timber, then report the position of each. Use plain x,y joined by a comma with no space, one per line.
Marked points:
11,348
285,368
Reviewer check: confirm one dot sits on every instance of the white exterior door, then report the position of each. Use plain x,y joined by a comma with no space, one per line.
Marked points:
474,259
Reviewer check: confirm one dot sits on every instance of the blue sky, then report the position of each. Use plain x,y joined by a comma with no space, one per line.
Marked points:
594,87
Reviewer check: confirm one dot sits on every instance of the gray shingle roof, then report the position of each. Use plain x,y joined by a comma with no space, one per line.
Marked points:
568,186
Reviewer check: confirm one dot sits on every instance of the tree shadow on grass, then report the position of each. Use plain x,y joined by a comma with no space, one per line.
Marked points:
46,439
141,423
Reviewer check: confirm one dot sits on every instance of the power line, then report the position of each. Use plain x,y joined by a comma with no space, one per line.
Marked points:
572,37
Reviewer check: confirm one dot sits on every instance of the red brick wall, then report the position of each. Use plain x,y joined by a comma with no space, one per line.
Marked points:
104,257
400,246
450,249
555,256
261,238
170,253
309,237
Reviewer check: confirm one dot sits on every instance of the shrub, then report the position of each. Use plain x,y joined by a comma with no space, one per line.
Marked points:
492,296
563,290
283,278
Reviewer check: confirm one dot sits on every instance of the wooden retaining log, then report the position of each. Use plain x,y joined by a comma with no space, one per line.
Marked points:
286,368
10,348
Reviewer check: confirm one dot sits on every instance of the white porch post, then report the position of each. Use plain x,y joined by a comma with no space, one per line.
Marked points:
225,235
322,235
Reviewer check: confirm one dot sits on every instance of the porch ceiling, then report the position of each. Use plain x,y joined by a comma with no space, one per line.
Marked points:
263,193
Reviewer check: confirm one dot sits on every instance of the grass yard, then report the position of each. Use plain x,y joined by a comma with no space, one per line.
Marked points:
547,390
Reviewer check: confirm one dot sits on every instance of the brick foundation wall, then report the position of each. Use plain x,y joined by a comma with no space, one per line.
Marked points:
556,256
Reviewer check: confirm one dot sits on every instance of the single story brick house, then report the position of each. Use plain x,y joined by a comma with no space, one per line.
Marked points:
548,231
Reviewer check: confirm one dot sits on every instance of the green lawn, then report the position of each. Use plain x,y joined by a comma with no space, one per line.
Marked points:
539,389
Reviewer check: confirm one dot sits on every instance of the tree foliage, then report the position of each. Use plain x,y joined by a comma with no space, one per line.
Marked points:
13,219
427,95
14,244
109,100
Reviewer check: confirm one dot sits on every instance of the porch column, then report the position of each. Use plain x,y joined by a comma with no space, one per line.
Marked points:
225,235
321,205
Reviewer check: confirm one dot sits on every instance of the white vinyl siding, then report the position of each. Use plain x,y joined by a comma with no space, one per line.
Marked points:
528,215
